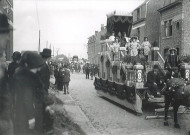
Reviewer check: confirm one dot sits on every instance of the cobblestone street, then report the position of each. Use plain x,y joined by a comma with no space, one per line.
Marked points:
111,119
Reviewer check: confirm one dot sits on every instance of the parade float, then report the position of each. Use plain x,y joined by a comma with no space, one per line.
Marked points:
119,80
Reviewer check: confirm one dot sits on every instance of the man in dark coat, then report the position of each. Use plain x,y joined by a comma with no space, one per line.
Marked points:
44,75
172,63
28,95
56,74
60,79
11,69
66,79
87,70
14,64
6,125
154,81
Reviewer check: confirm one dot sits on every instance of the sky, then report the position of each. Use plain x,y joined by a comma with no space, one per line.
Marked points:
65,24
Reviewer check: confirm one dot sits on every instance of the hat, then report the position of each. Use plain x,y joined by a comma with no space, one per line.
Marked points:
32,59
156,67
46,53
173,49
4,25
16,56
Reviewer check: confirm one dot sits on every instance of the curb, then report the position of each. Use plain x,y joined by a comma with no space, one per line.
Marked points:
75,113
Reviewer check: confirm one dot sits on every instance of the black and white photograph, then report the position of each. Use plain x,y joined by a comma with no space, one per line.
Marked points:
94,67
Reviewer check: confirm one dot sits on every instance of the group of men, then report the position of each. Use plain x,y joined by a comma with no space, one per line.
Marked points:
172,66
24,87
62,78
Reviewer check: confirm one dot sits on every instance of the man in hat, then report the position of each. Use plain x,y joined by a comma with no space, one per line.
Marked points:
45,72
66,79
172,63
154,81
14,64
6,125
44,75
28,95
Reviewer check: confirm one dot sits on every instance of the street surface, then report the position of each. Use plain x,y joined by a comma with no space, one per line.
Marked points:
111,119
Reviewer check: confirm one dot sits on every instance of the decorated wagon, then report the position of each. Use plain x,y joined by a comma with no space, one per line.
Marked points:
119,81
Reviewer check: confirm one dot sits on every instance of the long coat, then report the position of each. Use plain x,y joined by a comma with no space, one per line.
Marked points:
6,126
60,80
27,93
66,77
44,74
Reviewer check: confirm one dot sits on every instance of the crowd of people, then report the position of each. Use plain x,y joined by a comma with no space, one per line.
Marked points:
24,83
90,70
62,78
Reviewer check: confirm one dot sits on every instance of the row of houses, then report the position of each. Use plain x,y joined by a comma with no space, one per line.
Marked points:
166,23
6,7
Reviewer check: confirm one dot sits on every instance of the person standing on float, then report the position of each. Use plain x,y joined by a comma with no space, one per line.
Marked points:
134,46
146,46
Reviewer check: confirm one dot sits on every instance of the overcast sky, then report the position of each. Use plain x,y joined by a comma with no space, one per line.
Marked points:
65,24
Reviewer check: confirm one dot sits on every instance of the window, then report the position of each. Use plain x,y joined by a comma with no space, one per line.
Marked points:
168,28
177,25
138,14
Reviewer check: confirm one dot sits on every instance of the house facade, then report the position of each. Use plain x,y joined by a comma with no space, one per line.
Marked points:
146,21
94,46
175,26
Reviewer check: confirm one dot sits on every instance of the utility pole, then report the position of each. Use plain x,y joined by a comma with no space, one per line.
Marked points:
39,43
53,50
47,44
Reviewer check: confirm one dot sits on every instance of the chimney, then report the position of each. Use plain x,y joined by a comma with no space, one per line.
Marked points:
96,32
102,27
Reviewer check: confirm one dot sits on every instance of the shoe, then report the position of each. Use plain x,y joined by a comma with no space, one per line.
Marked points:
67,92
64,93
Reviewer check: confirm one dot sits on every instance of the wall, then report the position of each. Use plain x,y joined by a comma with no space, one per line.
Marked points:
175,40
142,33
186,28
91,48
152,27
98,45
152,21
94,46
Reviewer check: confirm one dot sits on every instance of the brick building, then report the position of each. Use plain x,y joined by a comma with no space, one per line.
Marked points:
94,46
175,26
6,7
146,21
91,48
